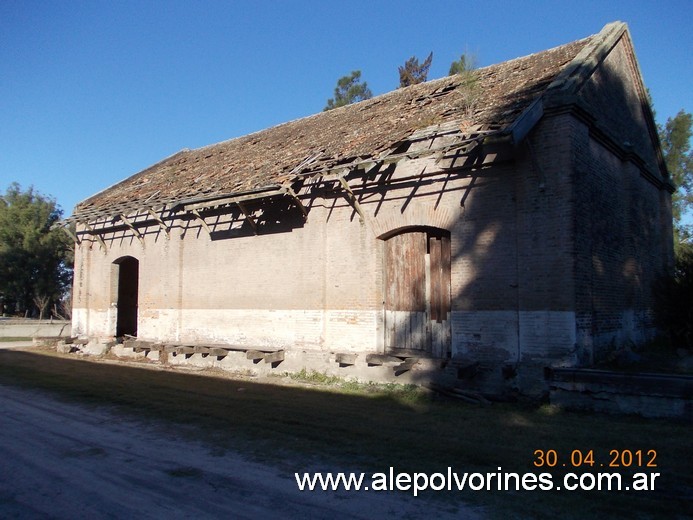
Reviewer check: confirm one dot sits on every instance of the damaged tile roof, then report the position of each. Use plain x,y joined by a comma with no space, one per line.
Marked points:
491,99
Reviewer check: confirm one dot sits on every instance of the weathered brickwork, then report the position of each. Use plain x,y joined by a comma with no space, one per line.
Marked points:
612,95
555,241
623,239
623,220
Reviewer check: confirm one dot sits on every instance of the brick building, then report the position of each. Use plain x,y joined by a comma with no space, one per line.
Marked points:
508,219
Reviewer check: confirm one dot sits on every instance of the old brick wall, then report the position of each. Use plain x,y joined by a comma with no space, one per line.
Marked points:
318,284
315,284
513,275
622,212
623,242
554,245
273,289
614,99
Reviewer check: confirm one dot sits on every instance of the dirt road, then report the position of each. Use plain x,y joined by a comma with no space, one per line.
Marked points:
16,344
64,460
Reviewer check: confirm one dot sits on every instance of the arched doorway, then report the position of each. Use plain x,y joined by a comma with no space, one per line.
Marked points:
417,291
126,276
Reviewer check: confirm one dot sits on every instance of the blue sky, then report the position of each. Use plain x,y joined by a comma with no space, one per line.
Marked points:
94,91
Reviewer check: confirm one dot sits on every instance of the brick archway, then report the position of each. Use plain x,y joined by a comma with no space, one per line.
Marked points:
417,215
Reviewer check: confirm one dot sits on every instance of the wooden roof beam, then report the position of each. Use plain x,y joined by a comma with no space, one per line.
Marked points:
65,227
72,235
248,216
293,195
162,224
95,234
192,205
132,227
197,215
469,139
353,199
306,162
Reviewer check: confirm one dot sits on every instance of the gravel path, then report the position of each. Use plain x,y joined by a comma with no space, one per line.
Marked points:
64,460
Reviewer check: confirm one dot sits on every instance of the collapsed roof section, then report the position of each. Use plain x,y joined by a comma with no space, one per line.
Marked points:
506,99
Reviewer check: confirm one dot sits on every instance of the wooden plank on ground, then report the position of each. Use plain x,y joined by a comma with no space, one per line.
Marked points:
255,355
345,359
184,350
382,359
405,365
275,357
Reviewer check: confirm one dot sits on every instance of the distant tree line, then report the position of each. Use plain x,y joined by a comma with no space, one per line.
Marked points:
674,292
675,137
35,259
350,89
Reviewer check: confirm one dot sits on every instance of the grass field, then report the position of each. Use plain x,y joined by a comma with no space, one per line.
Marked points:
371,428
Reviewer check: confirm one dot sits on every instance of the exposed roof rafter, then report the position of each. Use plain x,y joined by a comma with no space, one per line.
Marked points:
95,234
293,195
248,216
224,200
65,227
132,227
352,198
162,224
197,215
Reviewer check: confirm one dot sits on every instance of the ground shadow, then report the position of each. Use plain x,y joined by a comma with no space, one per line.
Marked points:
307,428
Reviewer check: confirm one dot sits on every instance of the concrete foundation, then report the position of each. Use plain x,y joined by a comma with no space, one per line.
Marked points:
28,328
649,395
249,362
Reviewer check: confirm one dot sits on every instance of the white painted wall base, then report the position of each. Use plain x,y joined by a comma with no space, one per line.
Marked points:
515,337
512,347
345,330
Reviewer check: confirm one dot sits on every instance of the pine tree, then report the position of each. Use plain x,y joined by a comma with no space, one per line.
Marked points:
464,64
349,90
412,72
675,137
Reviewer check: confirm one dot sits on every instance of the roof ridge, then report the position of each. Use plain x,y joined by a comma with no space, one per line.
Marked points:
534,54
334,111
509,97
378,98
578,71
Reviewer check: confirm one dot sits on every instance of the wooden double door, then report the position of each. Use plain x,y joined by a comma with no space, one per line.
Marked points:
417,292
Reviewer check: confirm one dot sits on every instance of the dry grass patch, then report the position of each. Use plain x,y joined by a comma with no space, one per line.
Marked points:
374,428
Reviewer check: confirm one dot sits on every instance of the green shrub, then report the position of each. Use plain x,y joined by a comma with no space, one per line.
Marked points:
674,301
